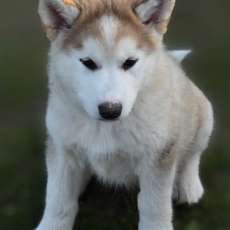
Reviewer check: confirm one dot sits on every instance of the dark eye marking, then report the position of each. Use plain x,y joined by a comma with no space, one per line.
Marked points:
129,63
90,64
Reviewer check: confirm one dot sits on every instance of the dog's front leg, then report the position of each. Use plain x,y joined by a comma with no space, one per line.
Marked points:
67,177
154,199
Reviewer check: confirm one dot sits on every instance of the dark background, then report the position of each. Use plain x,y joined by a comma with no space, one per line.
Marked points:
202,25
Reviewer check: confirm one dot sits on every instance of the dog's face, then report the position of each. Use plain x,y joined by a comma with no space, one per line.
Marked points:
107,70
103,52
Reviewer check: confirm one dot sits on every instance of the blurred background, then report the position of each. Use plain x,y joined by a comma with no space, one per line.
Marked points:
200,25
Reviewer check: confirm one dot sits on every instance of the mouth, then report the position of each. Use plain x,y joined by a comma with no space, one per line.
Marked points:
109,120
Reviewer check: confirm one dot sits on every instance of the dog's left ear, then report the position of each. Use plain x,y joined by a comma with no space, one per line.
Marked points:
156,13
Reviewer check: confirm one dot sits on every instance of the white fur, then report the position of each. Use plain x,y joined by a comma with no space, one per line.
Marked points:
109,83
165,125
151,8
179,55
109,29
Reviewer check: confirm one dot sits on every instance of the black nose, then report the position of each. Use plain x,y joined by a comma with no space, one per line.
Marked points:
110,111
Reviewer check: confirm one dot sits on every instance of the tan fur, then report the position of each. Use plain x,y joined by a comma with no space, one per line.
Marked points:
167,158
162,27
124,11
70,2
159,78
50,33
88,24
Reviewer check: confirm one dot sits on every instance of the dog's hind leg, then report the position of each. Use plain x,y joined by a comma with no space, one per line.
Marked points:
67,177
187,185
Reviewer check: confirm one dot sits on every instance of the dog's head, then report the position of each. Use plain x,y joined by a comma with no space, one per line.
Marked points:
103,52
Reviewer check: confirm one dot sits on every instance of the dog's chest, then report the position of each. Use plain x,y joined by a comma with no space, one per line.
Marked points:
115,169
130,139
115,151
111,150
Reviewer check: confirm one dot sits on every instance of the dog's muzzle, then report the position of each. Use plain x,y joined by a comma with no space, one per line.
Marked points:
110,111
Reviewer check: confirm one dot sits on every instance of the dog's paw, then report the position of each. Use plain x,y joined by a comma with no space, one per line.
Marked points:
188,191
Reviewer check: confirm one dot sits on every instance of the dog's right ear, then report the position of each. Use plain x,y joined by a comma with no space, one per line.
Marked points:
57,16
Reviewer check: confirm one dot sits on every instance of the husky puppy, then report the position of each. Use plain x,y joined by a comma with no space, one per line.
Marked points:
121,108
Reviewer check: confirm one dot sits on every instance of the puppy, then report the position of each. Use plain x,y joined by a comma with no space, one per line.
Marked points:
121,108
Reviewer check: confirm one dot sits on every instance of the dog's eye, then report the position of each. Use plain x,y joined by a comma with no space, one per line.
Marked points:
90,64
129,63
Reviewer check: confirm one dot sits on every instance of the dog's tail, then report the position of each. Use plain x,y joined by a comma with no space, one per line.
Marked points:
179,55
